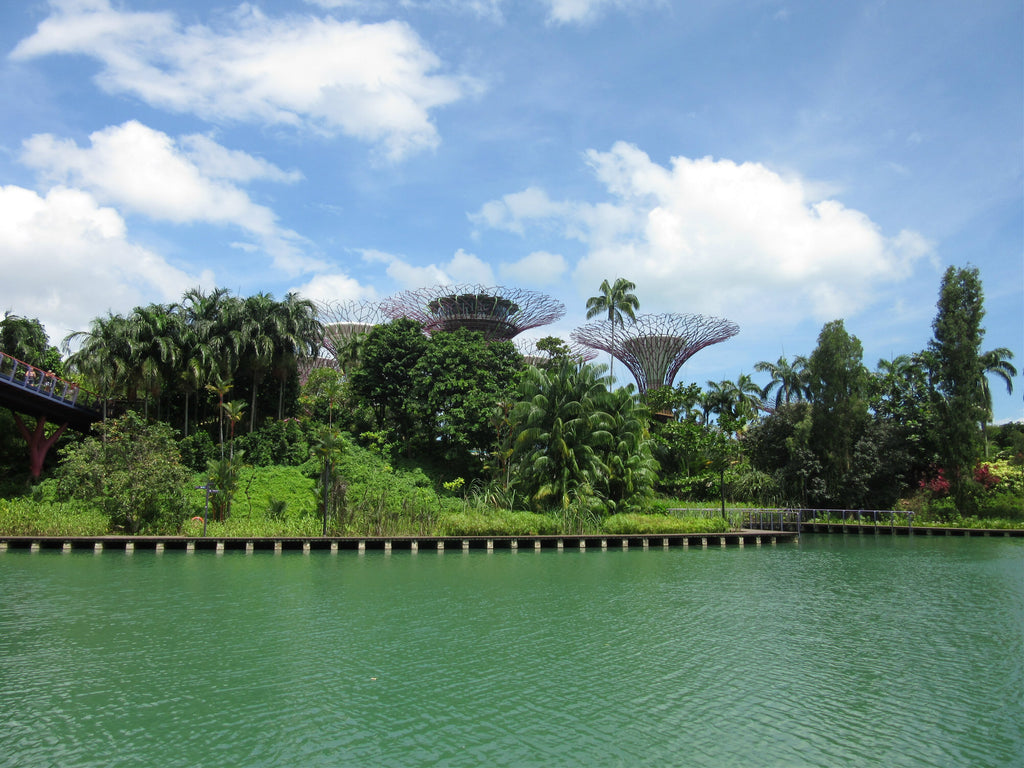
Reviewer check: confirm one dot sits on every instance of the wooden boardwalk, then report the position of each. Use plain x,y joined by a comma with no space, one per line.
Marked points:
743,538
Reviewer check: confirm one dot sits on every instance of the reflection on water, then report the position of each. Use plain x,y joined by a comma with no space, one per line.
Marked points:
857,650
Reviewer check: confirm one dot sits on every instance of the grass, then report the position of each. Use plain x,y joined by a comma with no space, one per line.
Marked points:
26,517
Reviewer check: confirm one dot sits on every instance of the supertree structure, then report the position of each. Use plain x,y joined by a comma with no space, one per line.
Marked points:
343,322
499,313
655,347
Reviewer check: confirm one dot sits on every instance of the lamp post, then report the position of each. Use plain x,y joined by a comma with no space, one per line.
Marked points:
206,514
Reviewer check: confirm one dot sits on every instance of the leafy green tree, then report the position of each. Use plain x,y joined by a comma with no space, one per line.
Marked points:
838,388
386,380
457,382
323,390
780,445
614,301
133,472
154,349
900,397
299,335
958,376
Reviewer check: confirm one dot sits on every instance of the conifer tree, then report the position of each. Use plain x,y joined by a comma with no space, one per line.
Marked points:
957,377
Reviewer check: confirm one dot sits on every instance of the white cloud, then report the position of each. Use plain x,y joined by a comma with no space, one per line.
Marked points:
583,11
462,268
335,288
514,210
66,260
719,237
374,82
538,268
145,171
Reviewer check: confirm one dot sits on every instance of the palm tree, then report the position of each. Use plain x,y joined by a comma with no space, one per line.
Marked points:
209,347
234,411
299,334
734,402
614,301
789,380
259,329
154,341
220,387
557,432
24,339
327,446
995,362
103,357
628,464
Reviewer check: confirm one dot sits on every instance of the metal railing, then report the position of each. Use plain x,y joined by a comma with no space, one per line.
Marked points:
793,519
46,383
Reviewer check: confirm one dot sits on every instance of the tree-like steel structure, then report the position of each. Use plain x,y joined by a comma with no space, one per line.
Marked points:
655,347
342,321
499,313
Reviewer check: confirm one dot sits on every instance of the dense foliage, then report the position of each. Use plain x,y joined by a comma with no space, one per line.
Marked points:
404,432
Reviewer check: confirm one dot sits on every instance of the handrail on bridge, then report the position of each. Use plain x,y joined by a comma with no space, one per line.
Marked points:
45,383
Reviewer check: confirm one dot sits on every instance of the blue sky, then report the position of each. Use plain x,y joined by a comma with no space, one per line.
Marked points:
774,162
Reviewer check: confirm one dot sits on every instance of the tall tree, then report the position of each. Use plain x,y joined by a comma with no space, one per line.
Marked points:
838,388
958,378
298,337
614,301
457,383
385,378
103,357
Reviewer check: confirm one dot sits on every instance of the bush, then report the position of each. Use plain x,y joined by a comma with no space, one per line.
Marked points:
134,474
276,443
197,449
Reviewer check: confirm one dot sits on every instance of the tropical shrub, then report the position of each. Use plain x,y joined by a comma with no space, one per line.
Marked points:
133,472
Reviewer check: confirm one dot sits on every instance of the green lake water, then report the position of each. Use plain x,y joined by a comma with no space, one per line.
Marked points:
838,651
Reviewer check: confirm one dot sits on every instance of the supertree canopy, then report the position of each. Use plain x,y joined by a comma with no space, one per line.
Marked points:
498,313
343,323
655,347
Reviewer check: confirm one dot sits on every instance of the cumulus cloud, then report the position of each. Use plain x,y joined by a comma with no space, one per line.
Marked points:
718,237
190,180
66,260
335,287
375,82
538,268
462,268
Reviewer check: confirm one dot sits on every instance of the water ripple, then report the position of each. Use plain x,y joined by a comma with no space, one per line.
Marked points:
842,651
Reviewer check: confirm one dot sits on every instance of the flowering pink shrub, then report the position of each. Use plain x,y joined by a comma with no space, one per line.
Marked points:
938,485
984,475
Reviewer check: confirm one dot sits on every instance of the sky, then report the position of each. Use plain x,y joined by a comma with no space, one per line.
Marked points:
777,163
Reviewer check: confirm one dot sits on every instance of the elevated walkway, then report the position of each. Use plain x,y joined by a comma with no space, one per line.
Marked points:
35,392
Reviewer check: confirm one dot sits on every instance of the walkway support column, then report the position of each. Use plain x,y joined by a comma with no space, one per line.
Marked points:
38,443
